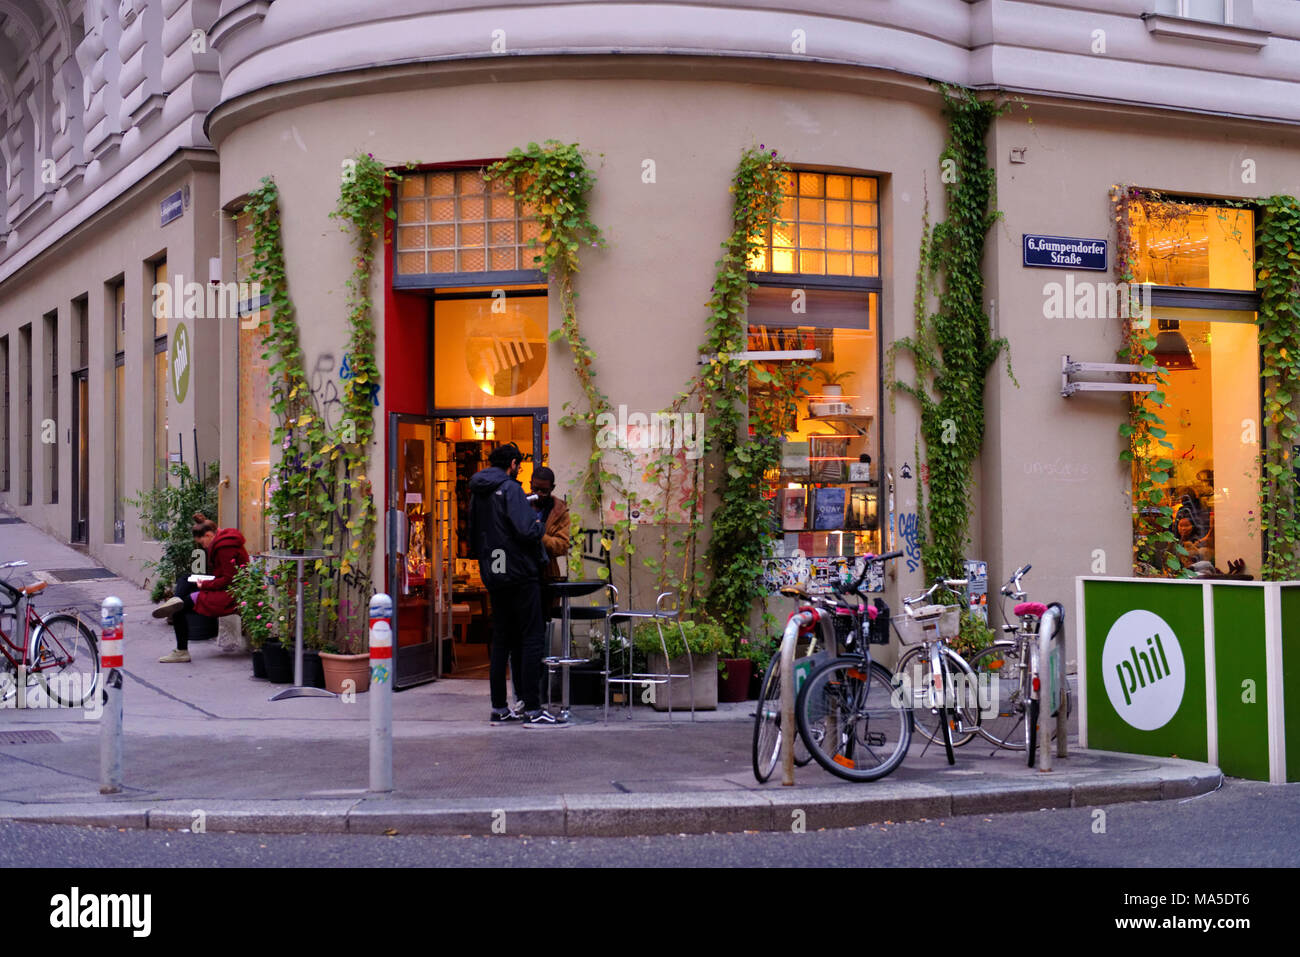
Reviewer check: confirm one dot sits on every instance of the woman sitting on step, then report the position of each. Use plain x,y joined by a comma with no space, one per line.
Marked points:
210,597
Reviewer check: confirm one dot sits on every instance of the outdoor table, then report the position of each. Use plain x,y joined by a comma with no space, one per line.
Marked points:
567,590
297,690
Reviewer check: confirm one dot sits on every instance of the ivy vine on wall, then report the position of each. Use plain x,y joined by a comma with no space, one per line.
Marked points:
1277,237
321,494
953,348
553,182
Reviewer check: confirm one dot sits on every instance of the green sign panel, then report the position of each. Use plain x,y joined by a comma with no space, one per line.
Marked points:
180,362
1146,668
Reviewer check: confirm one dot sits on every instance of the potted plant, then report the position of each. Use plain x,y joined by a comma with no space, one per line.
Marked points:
756,653
166,515
261,621
832,382
704,639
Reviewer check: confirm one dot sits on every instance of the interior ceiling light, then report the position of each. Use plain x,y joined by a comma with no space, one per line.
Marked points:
1172,351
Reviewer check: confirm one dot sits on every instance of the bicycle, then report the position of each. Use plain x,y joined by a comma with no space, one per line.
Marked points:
1015,724
953,705
851,717
50,646
767,717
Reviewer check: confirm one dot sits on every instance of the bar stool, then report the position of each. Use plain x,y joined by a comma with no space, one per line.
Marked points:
566,591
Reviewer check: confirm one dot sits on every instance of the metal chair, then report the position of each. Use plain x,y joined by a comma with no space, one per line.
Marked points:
658,615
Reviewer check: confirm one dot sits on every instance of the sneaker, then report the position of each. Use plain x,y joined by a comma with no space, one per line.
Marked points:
169,608
505,716
175,657
543,719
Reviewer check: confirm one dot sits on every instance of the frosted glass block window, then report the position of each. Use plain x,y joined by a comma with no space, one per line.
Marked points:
453,221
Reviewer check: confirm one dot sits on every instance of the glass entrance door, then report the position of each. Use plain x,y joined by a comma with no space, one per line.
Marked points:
80,457
416,570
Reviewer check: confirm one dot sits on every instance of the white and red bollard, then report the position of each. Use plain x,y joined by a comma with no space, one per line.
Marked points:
381,693
110,726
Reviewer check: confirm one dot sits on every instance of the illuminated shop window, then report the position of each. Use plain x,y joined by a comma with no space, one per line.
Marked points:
828,225
1210,348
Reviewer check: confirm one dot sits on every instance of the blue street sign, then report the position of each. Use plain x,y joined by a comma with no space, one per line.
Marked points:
172,207
1063,252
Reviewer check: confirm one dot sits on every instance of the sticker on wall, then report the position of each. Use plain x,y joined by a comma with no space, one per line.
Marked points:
180,362
1143,671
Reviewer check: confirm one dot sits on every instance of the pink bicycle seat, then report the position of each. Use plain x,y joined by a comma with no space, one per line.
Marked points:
1035,608
872,612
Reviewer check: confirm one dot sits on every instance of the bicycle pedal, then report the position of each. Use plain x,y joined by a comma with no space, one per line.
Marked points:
876,739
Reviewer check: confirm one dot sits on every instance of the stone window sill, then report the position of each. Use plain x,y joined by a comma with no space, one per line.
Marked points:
1230,34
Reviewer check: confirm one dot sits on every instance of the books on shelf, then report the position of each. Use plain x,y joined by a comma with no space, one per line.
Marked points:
794,509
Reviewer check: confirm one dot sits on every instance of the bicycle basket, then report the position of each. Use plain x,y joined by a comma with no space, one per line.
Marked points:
845,628
931,622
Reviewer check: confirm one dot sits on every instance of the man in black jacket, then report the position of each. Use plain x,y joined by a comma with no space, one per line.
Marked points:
505,535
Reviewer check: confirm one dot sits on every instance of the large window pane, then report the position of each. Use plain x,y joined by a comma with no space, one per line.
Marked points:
161,445
826,492
253,402
119,456
490,353
1213,358
1204,247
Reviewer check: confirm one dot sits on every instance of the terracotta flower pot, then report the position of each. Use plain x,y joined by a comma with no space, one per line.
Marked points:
341,668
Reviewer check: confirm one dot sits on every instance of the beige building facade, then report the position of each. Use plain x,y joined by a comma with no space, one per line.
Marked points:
1196,100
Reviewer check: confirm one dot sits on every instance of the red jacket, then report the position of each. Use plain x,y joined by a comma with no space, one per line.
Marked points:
224,556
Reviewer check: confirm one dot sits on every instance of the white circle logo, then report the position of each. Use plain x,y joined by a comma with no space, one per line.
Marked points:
1142,668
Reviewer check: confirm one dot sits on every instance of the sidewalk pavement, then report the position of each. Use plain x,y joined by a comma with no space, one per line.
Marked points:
205,747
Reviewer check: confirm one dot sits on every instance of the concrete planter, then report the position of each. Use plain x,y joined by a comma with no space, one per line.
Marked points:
1193,668
706,683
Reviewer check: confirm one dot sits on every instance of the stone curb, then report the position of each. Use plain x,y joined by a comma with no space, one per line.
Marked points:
628,815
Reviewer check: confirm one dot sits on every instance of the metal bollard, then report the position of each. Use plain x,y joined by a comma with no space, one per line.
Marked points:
796,624
110,726
381,693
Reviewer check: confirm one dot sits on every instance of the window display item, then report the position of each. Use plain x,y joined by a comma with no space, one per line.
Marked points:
794,514
828,510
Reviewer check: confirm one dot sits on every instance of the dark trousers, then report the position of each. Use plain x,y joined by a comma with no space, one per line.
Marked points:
185,592
516,643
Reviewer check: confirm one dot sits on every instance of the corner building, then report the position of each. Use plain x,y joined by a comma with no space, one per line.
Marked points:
1197,99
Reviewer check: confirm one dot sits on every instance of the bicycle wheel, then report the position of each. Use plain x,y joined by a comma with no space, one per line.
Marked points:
767,723
65,659
767,727
854,722
915,672
997,669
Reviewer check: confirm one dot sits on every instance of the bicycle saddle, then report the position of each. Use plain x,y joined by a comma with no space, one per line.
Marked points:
1035,608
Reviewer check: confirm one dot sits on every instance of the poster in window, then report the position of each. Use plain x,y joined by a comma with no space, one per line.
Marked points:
828,508
829,457
794,514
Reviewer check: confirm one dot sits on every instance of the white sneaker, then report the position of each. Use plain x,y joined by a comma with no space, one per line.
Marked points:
169,608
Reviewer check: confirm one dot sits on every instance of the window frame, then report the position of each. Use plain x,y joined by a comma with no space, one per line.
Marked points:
867,285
